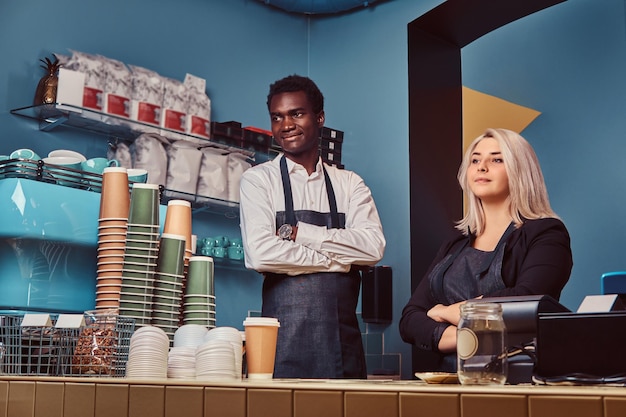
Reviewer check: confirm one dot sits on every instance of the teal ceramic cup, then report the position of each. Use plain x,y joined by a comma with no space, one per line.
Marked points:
97,165
235,252
200,275
137,175
171,258
65,170
219,252
24,154
144,205
221,241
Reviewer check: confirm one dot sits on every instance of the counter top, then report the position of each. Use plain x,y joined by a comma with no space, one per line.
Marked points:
343,385
121,397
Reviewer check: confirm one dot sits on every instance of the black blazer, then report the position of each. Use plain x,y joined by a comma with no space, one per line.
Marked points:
537,261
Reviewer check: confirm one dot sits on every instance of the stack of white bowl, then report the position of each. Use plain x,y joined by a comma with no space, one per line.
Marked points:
221,355
148,353
182,357
181,362
190,335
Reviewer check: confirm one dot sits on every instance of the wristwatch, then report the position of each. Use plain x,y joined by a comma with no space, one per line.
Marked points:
285,231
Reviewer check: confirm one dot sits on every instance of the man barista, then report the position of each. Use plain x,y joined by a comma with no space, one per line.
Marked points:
308,227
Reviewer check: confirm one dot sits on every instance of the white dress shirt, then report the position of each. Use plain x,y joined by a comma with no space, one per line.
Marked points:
316,248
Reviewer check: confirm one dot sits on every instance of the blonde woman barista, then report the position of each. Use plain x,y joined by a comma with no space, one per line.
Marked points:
509,243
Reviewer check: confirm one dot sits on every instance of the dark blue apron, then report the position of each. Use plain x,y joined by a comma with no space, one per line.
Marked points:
319,335
488,273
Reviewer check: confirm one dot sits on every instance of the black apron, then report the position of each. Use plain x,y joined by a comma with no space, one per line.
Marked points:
490,272
319,335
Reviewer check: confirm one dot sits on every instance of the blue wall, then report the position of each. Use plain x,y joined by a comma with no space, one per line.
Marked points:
567,62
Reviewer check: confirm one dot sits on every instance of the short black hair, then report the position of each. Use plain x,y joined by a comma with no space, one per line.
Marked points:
293,83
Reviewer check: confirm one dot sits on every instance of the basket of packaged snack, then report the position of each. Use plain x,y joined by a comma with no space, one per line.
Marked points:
100,348
90,344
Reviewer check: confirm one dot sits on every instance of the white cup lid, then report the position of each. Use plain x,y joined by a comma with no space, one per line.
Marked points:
115,169
179,203
261,321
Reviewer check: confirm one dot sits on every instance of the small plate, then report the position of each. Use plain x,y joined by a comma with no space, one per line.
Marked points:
438,377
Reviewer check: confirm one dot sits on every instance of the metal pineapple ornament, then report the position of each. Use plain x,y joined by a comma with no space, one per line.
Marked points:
47,88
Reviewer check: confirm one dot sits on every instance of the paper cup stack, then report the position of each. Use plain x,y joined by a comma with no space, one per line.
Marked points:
178,221
168,283
112,227
199,298
141,252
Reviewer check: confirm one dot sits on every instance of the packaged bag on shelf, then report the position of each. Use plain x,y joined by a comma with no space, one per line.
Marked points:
237,165
121,152
174,113
149,152
183,166
146,97
213,177
93,68
117,87
198,107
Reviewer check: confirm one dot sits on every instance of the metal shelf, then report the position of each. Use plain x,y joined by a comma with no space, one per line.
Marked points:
52,116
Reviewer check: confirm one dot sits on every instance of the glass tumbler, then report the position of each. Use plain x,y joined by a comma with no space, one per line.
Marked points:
481,344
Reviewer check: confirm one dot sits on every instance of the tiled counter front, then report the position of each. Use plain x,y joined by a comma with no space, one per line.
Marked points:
68,397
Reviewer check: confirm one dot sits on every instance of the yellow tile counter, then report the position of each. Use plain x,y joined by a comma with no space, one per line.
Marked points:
22,396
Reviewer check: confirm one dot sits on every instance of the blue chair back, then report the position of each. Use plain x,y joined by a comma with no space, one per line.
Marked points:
613,283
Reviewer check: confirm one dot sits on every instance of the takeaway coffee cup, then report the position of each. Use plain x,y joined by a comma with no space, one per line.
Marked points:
261,335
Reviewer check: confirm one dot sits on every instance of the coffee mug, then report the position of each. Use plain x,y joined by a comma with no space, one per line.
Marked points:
61,175
25,154
235,252
97,165
67,152
221,241
137,175
219,252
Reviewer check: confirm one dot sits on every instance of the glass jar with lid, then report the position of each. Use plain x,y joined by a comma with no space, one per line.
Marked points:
481,344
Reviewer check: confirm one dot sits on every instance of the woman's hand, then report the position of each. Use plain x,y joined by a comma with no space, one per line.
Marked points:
446,314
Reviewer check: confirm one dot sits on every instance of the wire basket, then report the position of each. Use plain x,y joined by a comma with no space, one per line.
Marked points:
28,351
100,347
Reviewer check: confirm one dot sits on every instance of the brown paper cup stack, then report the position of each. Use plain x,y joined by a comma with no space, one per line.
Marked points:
112,226
178,221
115,197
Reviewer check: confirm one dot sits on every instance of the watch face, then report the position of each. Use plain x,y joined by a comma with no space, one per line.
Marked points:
284,232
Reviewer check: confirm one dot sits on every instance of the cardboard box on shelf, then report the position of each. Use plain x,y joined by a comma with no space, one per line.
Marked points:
70,88
228,130
333,134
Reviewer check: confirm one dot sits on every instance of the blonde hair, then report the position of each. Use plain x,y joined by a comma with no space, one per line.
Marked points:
528,195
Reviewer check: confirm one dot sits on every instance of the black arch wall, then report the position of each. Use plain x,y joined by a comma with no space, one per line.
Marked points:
435,41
